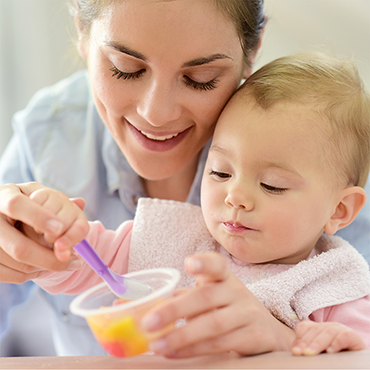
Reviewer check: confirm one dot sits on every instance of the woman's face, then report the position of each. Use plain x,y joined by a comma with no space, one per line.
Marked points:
161,72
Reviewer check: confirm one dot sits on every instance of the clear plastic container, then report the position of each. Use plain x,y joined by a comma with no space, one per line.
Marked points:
115,322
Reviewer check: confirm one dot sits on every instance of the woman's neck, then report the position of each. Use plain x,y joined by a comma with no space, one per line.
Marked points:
176,187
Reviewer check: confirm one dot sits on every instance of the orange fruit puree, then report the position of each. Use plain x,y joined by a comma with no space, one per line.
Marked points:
120,338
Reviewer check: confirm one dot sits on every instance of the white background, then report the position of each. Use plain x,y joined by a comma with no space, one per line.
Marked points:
36,50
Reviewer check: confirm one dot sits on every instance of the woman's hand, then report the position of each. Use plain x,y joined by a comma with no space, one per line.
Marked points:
221,314
32,209
313,338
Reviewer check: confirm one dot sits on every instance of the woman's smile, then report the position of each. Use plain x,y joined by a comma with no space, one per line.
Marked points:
157,142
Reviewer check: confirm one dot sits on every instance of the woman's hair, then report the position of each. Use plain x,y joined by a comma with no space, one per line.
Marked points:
338,97
247,16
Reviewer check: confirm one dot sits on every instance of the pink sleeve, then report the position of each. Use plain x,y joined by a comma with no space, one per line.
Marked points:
112,246
355,314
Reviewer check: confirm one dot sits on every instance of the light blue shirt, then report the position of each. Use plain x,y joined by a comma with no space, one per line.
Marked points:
60,141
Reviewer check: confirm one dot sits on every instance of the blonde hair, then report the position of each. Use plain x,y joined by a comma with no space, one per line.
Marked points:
247,15
336,92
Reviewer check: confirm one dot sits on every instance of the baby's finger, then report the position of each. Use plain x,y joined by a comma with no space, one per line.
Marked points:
75,224
241,341
63,245
213,324
346,339
194,303
211,266
59,205
330,337
306,332
79,202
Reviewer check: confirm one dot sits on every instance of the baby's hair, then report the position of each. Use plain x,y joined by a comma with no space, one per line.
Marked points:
336,93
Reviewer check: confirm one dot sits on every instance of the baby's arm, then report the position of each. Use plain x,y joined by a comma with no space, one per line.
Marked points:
111,245
69,212
313,338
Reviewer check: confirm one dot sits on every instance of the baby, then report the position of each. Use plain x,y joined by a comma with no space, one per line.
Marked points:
286,169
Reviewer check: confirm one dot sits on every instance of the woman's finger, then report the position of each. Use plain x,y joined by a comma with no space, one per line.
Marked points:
16,206
24,250
11,263
8,275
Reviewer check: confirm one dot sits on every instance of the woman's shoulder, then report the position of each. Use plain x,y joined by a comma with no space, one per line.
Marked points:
60,132
68,96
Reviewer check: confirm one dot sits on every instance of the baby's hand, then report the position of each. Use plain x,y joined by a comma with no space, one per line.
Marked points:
313,338
70,214
221,315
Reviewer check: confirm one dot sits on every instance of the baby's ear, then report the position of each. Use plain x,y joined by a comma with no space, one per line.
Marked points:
350,204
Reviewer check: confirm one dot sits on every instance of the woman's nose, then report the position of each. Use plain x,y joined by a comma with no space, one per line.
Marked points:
159,105
239,199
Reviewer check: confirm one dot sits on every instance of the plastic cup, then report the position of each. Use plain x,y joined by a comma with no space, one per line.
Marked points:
117,326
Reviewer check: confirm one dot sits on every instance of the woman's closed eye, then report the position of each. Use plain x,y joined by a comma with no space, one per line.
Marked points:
273,189
202,86
220,175
126,75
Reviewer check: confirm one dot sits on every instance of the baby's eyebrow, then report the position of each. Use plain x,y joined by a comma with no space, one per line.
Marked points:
217,149
205,60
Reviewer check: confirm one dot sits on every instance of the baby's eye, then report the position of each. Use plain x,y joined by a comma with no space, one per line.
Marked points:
219,175
273,189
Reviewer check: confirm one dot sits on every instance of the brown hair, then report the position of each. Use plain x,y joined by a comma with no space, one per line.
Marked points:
247,16
335,91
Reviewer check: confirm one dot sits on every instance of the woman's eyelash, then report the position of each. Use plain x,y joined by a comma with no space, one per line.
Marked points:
125,75
221,175
273,189
203,86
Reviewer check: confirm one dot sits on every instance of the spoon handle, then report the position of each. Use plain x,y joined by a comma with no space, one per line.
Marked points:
92,258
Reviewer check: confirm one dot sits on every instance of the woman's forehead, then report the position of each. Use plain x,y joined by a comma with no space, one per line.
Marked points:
158,26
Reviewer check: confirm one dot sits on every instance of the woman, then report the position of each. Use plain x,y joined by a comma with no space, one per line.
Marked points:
160,73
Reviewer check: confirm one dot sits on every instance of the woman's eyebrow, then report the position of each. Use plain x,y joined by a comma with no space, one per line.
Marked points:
193,63
126,50
205,60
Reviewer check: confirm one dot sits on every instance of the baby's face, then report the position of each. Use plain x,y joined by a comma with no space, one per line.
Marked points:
265,194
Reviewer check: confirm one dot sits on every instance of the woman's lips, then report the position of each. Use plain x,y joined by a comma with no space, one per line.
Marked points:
155,143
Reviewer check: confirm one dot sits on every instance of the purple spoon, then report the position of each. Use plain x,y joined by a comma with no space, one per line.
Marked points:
120,285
